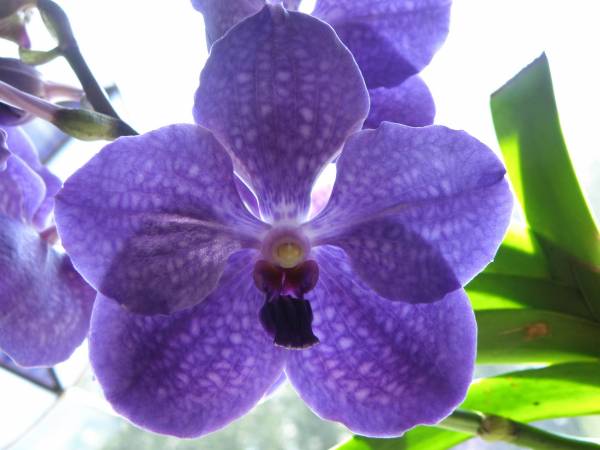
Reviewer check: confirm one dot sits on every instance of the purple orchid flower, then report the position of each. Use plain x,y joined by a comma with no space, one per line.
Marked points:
45,306
195,290
392,41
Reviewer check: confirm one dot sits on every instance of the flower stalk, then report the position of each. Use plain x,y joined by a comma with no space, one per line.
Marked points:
79,123
496,428
59,26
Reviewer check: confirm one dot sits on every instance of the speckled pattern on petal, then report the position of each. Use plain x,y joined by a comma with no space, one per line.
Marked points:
396,261
45,306
441,187
391,39
22,191
382,367
192,372
151,220
282,93
409,103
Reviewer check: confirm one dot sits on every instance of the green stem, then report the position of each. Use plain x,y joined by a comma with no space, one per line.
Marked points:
59,25
80,123
496,428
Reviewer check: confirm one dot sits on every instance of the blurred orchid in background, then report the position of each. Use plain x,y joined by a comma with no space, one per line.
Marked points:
45,306
155,223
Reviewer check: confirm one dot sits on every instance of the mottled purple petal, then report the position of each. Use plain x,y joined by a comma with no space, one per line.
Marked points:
382,367
221,15
276,385
427,192
396,261
45,305
409,103
42,217
151,220
282,93
20,144
390,39
194,371
22,191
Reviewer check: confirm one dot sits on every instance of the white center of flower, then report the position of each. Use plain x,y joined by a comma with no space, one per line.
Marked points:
286,247
288,254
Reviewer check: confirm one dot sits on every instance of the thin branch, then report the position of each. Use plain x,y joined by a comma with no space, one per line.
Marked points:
56,390
496,428
58,24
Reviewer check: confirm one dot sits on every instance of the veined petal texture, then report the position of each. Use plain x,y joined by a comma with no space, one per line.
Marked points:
151,220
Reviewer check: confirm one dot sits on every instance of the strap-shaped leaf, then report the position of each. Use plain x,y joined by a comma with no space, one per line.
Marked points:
499,291
513,336
520,254
528,129
563,390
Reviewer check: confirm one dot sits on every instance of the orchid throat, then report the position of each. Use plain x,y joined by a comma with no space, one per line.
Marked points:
285,276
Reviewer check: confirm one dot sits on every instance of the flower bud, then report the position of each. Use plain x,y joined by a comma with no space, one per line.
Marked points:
14,15
26,79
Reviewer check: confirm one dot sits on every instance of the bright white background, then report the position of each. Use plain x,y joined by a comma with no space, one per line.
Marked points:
154,50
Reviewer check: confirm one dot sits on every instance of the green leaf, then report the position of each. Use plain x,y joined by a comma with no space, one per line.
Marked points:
563,390
568,270
520,254
528,129
588,281
514,336
498,291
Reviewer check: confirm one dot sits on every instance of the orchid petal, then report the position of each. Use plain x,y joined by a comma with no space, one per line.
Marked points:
382,367
192,372
409,103
45,306
390,39
22,191
20,144
151,220
221,15
429,193
282,93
